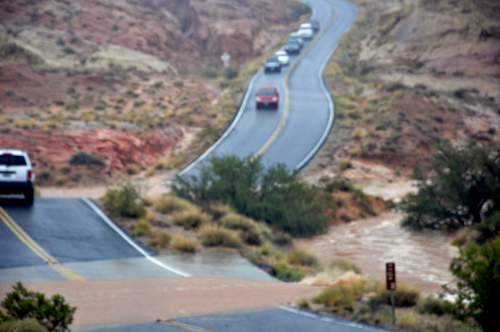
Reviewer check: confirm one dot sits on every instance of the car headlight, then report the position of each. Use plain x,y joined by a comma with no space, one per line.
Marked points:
274,99
259,99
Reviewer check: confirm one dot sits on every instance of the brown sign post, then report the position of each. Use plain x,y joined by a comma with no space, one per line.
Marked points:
390,279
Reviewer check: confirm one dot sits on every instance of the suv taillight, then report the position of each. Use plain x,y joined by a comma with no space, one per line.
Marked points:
29,175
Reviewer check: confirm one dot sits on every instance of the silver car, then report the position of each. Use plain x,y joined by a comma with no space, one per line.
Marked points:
283,57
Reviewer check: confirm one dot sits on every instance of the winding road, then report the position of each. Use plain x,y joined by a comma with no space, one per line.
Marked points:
70,246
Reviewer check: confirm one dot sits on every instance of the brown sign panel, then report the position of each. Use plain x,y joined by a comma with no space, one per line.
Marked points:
390,275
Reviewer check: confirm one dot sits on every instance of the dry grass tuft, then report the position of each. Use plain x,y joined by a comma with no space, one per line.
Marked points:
183,244
168,204
191,218
405,295
161,240
142,227
212,235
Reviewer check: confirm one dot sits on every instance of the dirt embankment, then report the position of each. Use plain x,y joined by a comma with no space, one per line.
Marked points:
409,76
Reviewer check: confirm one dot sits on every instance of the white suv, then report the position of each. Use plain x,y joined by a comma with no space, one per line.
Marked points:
16,173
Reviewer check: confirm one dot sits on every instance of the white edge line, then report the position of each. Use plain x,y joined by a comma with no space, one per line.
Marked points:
330,105
228,131
330,320
129,240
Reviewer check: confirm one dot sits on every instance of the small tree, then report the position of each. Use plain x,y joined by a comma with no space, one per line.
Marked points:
459,192
54,314
477,271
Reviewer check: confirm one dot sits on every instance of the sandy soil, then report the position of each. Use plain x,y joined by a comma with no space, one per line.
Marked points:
106,302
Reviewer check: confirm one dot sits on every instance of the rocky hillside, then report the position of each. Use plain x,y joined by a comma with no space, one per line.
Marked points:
126,70
410,75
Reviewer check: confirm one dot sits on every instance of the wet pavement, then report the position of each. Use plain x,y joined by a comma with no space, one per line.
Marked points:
422,258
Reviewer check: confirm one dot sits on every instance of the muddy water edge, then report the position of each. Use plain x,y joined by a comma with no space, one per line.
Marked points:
422,258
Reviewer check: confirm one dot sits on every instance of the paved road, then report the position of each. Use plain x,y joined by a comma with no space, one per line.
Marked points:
310,112
280,319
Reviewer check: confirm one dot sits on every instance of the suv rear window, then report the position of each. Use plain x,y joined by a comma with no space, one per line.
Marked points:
11,160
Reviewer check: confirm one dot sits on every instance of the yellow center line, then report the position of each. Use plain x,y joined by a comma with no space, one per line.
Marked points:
286,108
185,326
30,243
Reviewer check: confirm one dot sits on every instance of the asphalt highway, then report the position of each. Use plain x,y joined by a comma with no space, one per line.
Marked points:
293,133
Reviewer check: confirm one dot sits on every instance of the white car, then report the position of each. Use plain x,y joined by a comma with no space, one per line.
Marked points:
305,33
16,173
283,57
306,26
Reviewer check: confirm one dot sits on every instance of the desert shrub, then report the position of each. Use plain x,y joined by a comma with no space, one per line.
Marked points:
393,86
212,235
84,158
25,325
299,257
133,169
142,227
231,73
340,297
54,313
434,305
299,9
265,249
303,304
167,204
281,238
191,218
274,195
161,239
463,188
404,295
477,273
211,73
43,176
409,320
124,200
283,271
71,107
179,84
183,244
237,221
252,236
340,183
69,50
343,165
65,169
60,180
344,266
219,210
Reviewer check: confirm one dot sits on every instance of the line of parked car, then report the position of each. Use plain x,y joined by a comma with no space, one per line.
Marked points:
268,96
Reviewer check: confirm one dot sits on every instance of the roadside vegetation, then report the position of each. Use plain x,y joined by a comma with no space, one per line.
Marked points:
28,311
237,203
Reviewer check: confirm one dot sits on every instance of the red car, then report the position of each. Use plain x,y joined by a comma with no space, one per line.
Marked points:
267,96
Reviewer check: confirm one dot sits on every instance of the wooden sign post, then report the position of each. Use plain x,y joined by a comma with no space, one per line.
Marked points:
390,275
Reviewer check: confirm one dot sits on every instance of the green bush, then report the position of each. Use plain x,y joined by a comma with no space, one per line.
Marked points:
84,158
339,183
25,325
435,305
231,73
274,195
125,201
283,271
477,273
299,9
54,313
463,184
142,227
212,235
404,295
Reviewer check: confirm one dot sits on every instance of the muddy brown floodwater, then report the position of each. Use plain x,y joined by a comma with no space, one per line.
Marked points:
422,258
